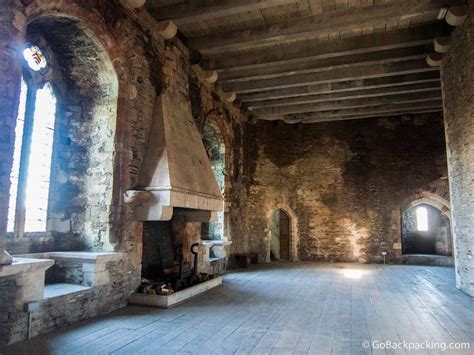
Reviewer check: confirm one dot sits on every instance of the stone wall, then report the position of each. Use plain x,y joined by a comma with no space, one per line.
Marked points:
12,27
95,166
457,73
61,311
340,180
215,148
13,320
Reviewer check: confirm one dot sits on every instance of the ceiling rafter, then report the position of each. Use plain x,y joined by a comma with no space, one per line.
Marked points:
205,10
295,28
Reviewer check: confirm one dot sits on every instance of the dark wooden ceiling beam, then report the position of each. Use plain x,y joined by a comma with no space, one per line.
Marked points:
205,10
375,114
382,110
346,104
347,95
356,60
355,85
333,21
331,76
302,52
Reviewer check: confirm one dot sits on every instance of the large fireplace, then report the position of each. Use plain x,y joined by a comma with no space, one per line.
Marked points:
171,255
176,191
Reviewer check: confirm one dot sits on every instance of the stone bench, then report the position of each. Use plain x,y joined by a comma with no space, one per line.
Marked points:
81,268
30,277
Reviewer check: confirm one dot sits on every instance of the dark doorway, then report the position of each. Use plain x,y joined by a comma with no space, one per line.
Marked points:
284,236
425,230
280,236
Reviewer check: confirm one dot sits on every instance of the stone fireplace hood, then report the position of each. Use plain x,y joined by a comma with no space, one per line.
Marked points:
176,173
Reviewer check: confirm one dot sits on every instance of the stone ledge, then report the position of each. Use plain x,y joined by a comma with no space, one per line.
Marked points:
78,256
22,265
212,243
56,291
93,270
425,259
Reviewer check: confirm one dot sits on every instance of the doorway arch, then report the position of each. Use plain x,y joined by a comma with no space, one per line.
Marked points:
282,235
426,230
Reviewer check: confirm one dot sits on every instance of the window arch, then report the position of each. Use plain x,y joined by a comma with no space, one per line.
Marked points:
81,80
425,229
216,150
33,148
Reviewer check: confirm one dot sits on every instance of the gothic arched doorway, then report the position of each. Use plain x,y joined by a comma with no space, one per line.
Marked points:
280,236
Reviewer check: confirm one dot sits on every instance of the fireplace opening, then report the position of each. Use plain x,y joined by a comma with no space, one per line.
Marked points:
170,261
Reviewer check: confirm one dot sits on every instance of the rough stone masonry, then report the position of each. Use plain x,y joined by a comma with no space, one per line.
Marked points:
457,73
343,184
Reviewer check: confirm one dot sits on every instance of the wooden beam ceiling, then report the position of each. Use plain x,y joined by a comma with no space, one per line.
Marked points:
334,21
205,10
382,110
317,65
341,74
368,114
351,85
348,103
371,60
302,52
347,95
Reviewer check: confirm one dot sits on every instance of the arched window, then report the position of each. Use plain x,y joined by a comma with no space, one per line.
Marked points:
425,230
214,144
422,219
34,137
62,177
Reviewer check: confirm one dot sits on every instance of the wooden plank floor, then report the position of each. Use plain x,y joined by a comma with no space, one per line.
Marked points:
288,308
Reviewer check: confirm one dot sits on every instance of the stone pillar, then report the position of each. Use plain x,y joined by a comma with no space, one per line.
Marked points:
12,27
457,73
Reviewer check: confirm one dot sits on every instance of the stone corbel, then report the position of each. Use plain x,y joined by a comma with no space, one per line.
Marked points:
456,15
167,29
133,4
434,59
230,96
442,44
136,197
210,76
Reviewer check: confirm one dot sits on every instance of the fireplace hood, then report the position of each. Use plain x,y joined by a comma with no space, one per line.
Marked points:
176,174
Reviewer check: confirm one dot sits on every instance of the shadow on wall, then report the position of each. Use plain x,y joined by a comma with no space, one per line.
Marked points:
426,230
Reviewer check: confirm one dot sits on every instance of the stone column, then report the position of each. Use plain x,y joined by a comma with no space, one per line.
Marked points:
12,26
457,74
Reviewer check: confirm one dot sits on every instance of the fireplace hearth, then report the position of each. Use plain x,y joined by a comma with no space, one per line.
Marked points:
170,257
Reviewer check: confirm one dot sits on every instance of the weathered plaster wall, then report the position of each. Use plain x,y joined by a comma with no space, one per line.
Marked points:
457,73
341,180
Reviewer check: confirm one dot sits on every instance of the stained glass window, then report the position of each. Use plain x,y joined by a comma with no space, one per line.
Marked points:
32,158
35,58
